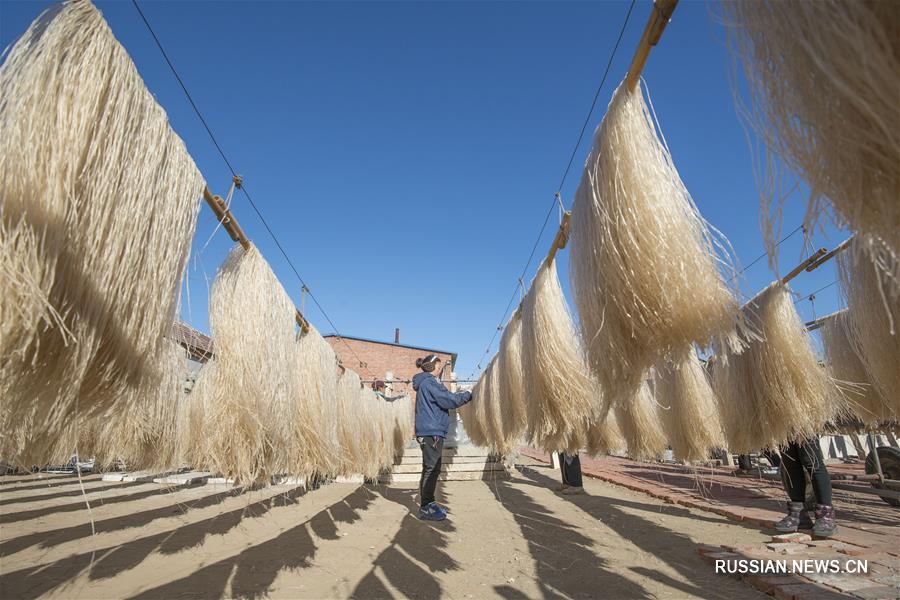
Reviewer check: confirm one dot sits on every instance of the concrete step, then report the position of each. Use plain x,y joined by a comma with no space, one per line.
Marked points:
145,476
453,468
189,478
460,451
448,460
219,480
288,480
444,476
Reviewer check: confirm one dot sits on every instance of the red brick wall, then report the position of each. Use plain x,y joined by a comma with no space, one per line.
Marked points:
381,358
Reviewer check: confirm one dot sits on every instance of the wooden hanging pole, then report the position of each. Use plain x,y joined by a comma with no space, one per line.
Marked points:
659,18
815,256
230,224
817,323
223,214
839,248
562,237
302,322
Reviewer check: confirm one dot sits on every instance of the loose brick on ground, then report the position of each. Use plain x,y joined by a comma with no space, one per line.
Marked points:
883,592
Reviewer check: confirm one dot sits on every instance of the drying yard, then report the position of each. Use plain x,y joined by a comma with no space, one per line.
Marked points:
507,538
398,151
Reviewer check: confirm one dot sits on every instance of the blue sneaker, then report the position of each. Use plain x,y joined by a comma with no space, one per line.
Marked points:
432,512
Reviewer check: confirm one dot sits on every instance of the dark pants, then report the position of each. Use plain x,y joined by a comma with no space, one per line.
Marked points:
432,448
570,465
805,456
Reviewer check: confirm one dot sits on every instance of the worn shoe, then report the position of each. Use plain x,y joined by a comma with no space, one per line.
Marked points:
432,512
791,522
826,525
560,487
572,491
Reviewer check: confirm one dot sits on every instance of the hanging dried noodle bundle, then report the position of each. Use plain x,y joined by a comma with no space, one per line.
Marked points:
85,150
353,429
254,424
644,264
315,381
775,391
873,317
823,79
640,426
563,397
146,437
467,413
604,436
513,419
380,436
487,407
863,398
687,408
402,410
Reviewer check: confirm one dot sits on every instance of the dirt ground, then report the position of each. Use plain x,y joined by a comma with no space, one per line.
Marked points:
512,539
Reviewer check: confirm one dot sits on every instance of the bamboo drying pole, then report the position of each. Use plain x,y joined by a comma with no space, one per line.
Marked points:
223,214
230,224
817,323
562,237
659,18
839,248
807,265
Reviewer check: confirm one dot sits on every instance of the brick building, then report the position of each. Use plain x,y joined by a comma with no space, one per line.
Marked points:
391,361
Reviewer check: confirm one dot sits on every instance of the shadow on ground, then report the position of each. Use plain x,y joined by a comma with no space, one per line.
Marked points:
252,572
54,537
565,562
252,567
424,541
674,548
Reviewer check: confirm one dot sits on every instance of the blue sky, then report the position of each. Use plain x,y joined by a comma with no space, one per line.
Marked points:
406,153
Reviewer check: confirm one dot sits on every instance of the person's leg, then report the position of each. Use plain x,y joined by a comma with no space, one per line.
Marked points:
431,468
814,463
562,467
572,469
792,472
794,480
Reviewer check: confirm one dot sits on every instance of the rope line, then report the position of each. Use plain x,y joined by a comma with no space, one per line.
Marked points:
766,253
812,294
243,186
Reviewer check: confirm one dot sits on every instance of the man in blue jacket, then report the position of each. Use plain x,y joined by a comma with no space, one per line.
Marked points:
433,403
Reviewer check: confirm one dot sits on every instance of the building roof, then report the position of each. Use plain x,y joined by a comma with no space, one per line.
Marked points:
371,341
198,344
